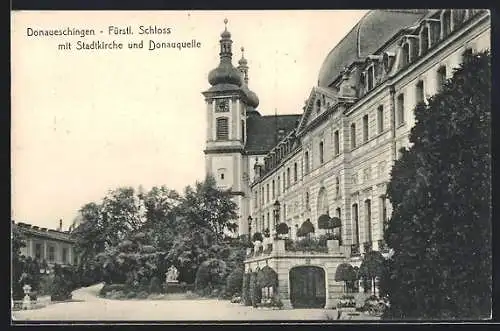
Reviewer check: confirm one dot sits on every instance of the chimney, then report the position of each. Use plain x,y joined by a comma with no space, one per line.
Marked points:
60,225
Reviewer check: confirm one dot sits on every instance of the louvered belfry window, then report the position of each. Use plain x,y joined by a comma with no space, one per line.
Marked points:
222,128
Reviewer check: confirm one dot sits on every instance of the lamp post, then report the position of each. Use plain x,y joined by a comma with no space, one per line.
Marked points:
250,228
276,211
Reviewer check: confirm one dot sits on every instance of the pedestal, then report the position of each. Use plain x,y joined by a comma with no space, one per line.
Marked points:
174,287
333,246
27,302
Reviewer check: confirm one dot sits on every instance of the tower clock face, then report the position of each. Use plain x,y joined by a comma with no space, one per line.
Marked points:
222,105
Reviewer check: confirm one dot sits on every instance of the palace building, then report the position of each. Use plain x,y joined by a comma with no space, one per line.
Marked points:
335,156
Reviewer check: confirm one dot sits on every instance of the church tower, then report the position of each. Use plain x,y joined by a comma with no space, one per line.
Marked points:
227,102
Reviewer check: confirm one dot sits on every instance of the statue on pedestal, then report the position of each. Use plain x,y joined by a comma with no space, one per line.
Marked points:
172,275
27,299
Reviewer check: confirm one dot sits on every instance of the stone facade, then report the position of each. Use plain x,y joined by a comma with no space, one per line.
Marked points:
53,246
337,159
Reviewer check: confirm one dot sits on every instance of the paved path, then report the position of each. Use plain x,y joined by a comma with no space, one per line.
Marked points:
92,307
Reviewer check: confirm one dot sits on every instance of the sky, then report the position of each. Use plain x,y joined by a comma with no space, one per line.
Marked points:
88,121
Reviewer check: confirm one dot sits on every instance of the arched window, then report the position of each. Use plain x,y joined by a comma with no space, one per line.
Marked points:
370,78
380,119
306,162
279,185
383,212
321,156
441,78
355,223
287,177
267,192
401,108
222,128
353,135
273,190
368,219
295,172
419,92
322,202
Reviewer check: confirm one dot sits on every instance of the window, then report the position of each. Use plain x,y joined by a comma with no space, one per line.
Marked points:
262,196
295,174
365,128
368,219
267,192
338,212
243,131
274,189
406,54
355,221
380,119
445,24
287,177
383,212
278,186
38,251
424,40
268,221
420,92
401,108
307,201
353,135
306,163
222,176
65,255
336,142
321,156
52,253
255,199
370,77
466,53
441,78
337,187
222,128
284,182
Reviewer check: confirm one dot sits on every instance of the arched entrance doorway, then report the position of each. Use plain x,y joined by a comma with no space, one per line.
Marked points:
307,287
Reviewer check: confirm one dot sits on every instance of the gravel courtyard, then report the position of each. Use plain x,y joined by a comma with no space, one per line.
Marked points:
90,307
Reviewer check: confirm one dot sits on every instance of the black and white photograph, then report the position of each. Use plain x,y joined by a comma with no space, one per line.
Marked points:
251,166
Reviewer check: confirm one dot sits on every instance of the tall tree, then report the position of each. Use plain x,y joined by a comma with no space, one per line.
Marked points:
207,206
440,228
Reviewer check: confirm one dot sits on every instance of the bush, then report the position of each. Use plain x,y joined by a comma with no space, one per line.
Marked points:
210,275
306,245
111,287
131,295
60,289
45,284
155,285
347,301
234,282
142,295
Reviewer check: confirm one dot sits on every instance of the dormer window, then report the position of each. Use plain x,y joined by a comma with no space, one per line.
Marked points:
406,54
446,23
370,77
424,39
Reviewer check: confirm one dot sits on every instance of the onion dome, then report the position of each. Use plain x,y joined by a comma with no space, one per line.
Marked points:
252,99
225,73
